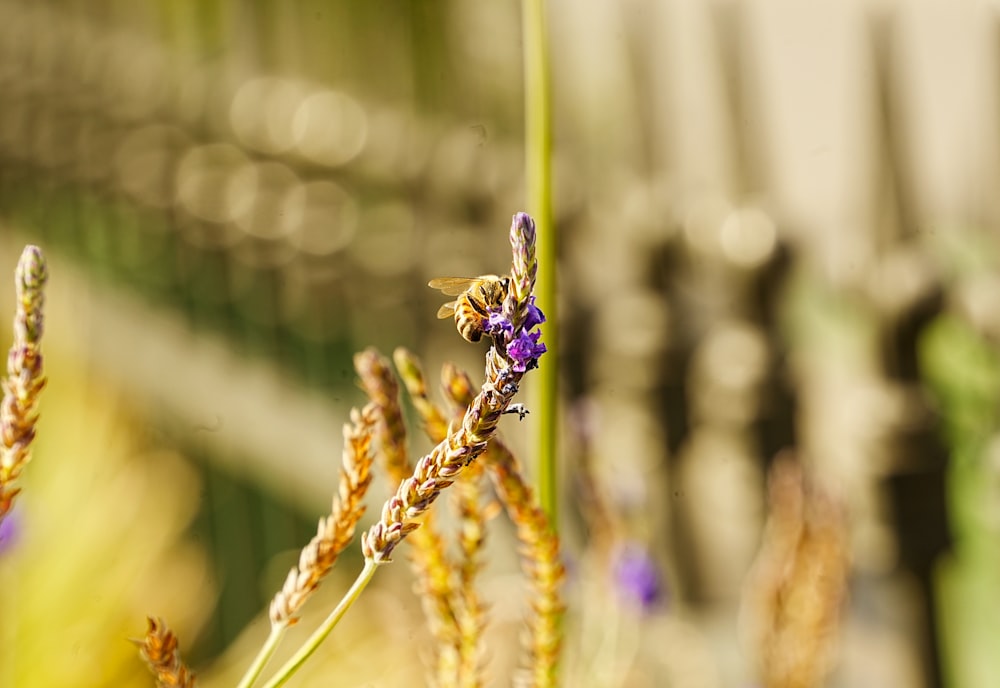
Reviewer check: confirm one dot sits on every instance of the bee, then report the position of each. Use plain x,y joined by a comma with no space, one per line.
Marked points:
477,296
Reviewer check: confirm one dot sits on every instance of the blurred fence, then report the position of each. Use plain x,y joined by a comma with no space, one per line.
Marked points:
762,207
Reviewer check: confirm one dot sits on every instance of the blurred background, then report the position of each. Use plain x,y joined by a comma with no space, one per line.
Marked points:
778,228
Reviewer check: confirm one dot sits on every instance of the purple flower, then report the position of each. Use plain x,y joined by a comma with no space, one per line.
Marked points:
535,315
637,578
524,349
499,324
9,530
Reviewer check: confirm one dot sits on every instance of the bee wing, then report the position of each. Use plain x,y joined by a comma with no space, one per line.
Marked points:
452,286
447,310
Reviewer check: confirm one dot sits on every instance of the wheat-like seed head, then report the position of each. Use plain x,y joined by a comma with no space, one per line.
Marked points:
434,575
158,649
471,609
336,530
457,385
380,385
444,464
25,379
412,375
540,559
794,592
472,536
464,665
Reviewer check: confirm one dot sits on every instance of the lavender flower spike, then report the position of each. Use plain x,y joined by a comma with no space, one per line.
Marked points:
30,277
523,269
25,378
446,462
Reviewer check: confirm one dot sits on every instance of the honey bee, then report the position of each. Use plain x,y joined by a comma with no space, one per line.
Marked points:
477,296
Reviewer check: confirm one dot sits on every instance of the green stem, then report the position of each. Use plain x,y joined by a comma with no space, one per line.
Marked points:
263,657
320,634
538,181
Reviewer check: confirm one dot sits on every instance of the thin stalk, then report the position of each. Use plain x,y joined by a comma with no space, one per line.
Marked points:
538,182
263,656
320,634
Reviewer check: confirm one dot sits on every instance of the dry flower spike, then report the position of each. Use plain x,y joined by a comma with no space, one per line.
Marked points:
435,582
336,530
793,595
540,559
468,650
25,379
159,650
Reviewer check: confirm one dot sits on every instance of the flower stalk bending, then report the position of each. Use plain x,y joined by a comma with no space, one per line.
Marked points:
446,462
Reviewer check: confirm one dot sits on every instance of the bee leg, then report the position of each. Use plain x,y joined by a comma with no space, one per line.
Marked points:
520,409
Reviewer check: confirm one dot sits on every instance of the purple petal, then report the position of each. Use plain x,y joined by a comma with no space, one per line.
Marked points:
498,323
524,350
535,316
9,530
638,578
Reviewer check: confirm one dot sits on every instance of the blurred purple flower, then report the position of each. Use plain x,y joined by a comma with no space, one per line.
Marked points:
637,578
10,531
524,350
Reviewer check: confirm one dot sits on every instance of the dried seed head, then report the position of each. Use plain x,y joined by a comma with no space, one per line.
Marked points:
380,385
335,531
540,561
793,595
158,649
412,374
457,386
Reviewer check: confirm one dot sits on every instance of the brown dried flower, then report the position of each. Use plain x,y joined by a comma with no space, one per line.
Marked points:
793,595
412,375
540,561
159,650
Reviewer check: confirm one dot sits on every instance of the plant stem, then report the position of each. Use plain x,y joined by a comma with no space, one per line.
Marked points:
263,657
538,182
320,634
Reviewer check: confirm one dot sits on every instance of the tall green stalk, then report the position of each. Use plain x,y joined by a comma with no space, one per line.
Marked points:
538,183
